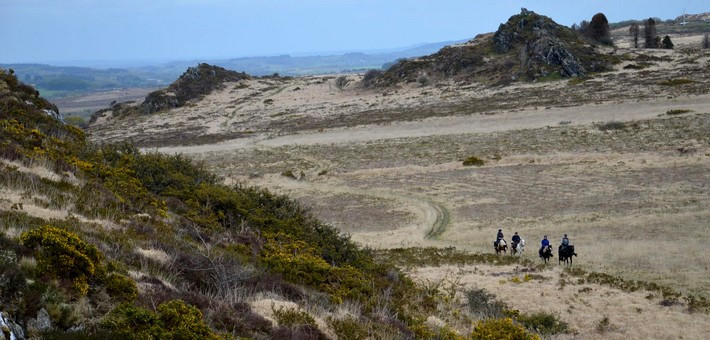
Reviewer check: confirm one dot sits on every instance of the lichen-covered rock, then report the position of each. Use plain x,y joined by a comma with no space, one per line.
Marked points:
553,52
41,323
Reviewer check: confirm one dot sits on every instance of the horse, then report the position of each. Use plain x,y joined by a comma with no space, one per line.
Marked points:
565,254
502,246
546,254
517,248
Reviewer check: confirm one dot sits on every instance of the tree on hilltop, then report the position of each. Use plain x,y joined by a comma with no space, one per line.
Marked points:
634,31
650,34
599,29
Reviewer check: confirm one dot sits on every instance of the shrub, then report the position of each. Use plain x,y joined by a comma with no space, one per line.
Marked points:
370,77
121,287
676,82
423,80
174,320
473,160
667,43
484,304
677,111
291,317
603,325
63,254
182,321
543,323
341,82
348,328
500,329
613,125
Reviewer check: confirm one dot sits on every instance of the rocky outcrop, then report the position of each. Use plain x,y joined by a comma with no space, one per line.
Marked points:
195,83
528,46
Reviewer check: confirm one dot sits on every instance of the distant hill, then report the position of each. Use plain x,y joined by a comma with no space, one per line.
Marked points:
61,81
529,46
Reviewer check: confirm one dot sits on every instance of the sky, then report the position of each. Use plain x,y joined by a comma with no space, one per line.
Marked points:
66,31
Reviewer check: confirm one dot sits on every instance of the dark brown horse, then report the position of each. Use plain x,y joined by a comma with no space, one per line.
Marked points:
546,254
565,254
501,247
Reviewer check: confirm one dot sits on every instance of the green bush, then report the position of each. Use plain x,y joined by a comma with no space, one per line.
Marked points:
677,112
543,323
290,317
64,255
174,320
500,329
182,321
348,328
121,287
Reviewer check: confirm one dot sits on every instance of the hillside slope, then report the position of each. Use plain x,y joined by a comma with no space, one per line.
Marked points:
107,242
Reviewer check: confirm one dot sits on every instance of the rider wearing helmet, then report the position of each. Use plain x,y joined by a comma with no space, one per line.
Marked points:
565,242
498,237
545,243
515,239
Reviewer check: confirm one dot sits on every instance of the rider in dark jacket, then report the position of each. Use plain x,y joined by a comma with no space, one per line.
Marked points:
498,237
515,239
545,243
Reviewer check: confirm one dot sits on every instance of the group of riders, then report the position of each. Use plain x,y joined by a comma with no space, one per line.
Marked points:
545,243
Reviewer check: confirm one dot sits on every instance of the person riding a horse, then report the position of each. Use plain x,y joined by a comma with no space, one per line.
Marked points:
498,237
515,239
565,242
545,244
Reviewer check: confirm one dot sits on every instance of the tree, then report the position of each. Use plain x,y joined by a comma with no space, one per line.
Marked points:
599,29
634,31
584,27
649,33
667,43
706,41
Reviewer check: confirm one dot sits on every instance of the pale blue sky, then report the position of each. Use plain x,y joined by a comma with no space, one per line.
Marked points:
73,30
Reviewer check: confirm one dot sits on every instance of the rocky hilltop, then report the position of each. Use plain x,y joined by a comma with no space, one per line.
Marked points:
528,46
192,85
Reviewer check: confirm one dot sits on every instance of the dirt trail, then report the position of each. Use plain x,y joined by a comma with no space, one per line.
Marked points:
526,119
432,218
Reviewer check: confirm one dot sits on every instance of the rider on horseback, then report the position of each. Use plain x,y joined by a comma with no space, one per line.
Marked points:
545,244
565,244
498,237
515,239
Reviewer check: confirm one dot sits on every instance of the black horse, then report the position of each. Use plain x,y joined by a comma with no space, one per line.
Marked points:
565,254
546,253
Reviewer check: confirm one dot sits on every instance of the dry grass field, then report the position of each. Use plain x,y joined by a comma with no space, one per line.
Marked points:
620,162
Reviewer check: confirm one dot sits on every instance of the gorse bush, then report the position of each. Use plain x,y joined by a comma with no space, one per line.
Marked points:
543,323
501,329
173,320
62,254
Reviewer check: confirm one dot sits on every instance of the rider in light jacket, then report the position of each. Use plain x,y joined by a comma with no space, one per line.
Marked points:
565,242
